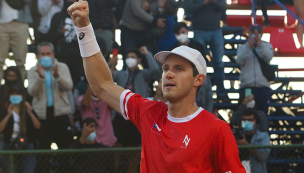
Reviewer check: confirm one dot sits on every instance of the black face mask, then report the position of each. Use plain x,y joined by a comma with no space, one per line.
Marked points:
10,82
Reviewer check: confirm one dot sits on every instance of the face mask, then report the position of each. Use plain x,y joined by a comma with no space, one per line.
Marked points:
91,137
182,38
247,126
46,62
95,98
131,62
251,104
15,99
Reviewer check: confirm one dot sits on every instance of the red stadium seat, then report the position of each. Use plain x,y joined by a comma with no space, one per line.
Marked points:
284,44
245,20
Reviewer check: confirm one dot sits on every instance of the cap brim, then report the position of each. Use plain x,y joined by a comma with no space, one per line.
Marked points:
161,56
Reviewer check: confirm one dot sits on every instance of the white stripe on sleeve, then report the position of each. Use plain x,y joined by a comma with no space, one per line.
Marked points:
122,98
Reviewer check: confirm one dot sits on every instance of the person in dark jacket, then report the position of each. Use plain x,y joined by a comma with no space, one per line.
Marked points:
91,162
207,30
20,125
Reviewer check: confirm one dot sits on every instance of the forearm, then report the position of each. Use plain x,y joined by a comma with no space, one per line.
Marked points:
35,121
100,79
3,123
87,98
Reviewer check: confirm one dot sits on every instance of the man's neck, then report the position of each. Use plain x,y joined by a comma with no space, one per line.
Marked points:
182,108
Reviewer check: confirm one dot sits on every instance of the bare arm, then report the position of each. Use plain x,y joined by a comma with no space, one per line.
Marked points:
95,66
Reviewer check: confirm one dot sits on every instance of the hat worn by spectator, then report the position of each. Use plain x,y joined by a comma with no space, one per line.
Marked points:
188,53
257,27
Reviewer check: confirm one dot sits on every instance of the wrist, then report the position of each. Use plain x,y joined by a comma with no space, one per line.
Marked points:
87,41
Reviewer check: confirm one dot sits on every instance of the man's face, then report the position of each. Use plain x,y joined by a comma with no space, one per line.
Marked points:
11,76
134,56
45,51
178,80
250,118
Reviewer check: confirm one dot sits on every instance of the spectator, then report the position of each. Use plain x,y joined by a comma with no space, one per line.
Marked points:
167,10
103,20
252,136
249,102
47,9
90,162
299,6
93,108
264,6
181,33
204,95
19,121
49,82
62,34
208,32
14,32
12,77
135,24
251,74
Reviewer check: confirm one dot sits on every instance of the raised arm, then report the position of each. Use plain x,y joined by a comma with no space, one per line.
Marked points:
95,66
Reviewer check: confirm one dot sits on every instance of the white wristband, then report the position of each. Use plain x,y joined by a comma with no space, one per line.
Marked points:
87,41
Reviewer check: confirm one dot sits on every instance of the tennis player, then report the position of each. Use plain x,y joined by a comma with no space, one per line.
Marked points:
180,137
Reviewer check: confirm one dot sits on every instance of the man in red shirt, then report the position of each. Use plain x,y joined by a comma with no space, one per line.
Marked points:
180,137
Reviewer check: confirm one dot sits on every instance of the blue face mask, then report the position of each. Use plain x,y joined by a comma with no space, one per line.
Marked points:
46,62
15,99
247,126
91,137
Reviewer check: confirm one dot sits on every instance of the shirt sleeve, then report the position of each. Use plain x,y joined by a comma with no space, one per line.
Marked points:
133,106
225,152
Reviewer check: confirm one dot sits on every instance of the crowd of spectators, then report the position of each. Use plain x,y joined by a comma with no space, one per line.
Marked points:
58,97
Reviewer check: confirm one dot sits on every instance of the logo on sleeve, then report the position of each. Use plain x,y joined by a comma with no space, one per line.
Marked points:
186,141
81,35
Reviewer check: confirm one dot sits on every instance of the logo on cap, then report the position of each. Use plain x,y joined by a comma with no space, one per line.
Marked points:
81,35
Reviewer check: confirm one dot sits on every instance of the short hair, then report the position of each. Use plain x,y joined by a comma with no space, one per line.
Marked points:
195,73
178,26
89,121
45,43
251,111
136,51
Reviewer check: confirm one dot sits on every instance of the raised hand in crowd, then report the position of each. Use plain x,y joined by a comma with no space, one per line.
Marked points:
40,71
248,99
10,110
143,50
86,131
55,71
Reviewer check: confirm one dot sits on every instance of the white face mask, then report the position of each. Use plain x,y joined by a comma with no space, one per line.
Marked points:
251,104
182,38
95,98
131,62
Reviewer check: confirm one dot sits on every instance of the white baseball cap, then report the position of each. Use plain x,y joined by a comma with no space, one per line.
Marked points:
188,53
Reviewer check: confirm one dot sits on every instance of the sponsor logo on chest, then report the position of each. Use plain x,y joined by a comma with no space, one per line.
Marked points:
186,142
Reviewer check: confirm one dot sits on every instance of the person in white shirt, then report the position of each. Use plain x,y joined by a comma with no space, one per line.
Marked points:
13,33
47,9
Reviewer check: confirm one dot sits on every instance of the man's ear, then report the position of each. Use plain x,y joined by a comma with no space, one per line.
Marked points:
199,80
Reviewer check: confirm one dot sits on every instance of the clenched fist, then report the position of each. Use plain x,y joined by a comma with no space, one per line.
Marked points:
79,12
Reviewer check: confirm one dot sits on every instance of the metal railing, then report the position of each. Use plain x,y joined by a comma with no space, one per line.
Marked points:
281,159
